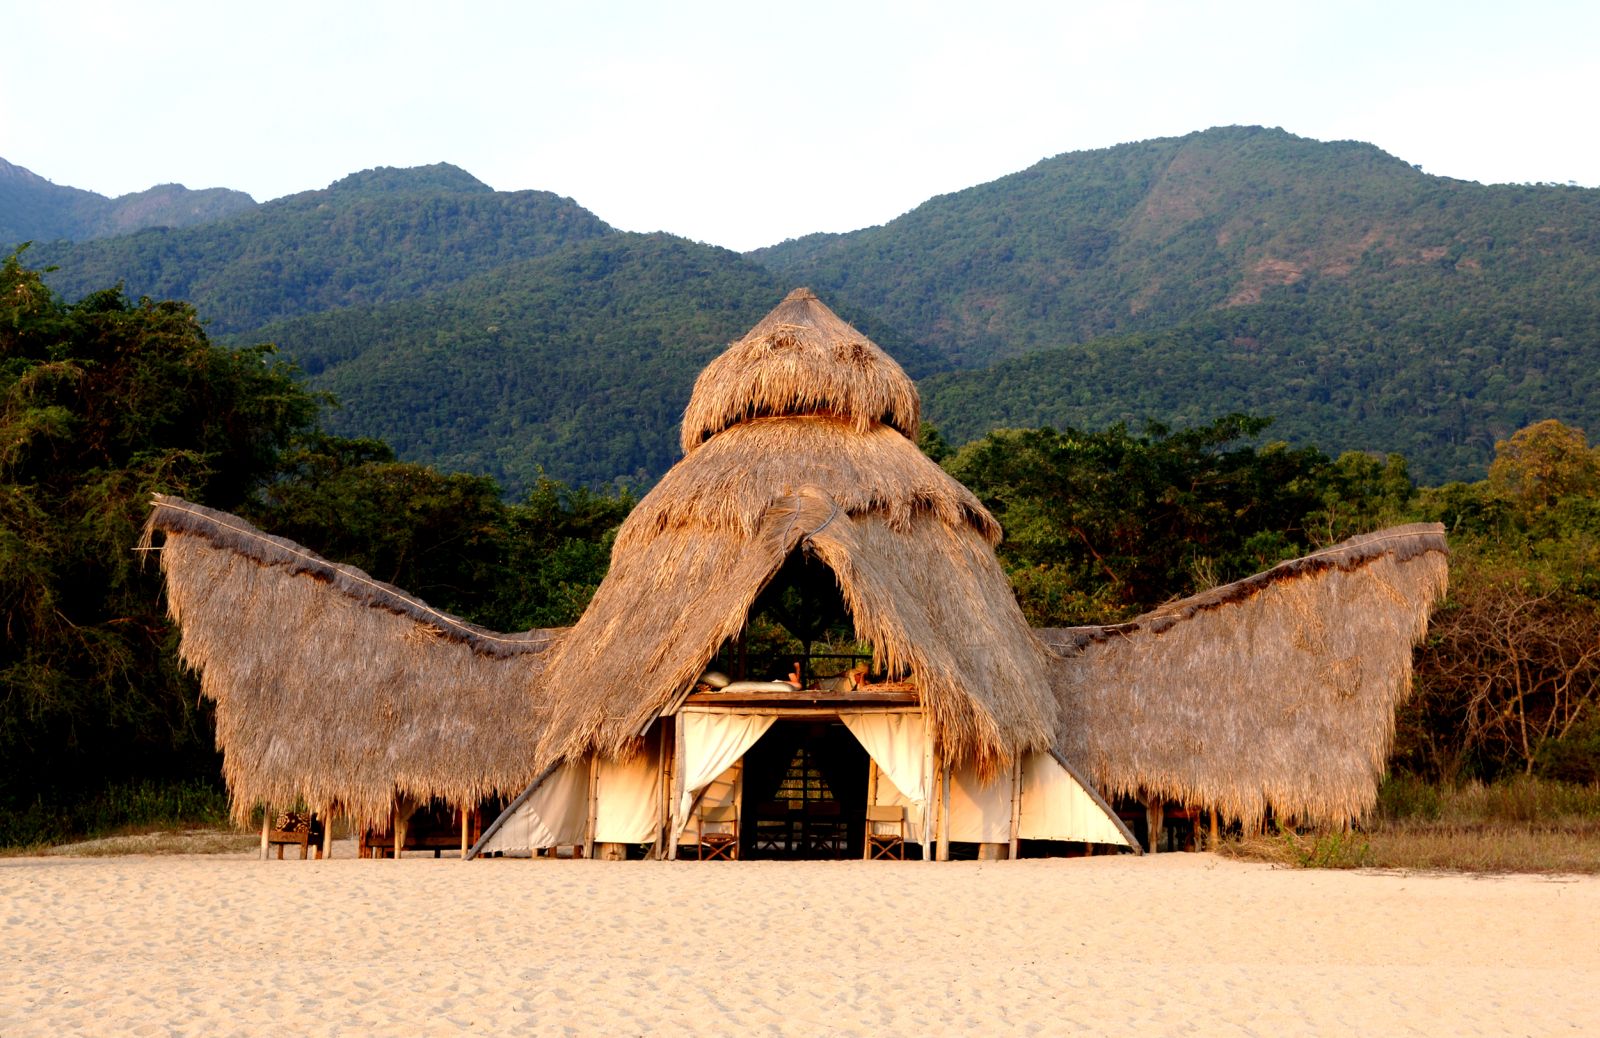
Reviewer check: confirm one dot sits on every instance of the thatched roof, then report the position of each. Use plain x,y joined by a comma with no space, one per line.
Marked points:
335,688
1278,690
801,359
800,438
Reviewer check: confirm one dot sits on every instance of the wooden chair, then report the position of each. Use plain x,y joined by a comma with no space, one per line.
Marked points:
292,828
719,832
886,832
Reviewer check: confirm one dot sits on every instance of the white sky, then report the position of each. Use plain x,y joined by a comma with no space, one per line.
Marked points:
744,123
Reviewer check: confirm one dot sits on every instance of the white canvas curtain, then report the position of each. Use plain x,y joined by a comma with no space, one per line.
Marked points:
628,799
979,813
554,815
897,744
1056,807
712,742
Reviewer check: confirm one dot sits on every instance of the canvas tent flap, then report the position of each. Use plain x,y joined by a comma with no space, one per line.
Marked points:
979,813
554,815
628,799
711,743
1056,807
897,744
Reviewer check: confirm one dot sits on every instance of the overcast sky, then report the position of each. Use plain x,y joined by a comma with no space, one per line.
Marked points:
742,124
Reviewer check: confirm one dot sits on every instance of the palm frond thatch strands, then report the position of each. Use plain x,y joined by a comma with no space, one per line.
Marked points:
1277,691
348,698
801,437
801,359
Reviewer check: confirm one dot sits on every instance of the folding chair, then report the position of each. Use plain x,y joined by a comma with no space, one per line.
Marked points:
719,832
886,831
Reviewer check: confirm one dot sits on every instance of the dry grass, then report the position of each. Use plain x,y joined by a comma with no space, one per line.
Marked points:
166,841
1523,825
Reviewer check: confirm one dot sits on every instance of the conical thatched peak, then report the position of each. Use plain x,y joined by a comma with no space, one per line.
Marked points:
801,359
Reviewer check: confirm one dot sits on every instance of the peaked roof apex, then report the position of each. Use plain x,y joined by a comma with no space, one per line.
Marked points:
801,360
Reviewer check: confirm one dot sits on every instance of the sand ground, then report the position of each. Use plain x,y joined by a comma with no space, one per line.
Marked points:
1174,944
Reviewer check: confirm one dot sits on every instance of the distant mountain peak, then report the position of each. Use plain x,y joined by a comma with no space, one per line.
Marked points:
441,176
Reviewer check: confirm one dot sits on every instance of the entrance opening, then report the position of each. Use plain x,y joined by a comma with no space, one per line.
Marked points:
805,792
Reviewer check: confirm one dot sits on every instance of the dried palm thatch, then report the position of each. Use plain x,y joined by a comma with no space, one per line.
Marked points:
801,359
334,688
798,439
1277,691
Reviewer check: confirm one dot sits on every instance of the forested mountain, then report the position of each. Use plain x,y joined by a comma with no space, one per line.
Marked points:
373,237
1362,302
1366,304
577,364
34,209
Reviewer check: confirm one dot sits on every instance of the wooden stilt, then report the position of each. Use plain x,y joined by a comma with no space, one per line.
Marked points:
266,827
1016,808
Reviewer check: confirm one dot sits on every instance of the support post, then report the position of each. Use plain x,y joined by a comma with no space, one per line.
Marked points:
466,829
1153,822
398,829
266,827
927,786
594,793
872,801
1216,829
944,810
1016,808
327,834
677,787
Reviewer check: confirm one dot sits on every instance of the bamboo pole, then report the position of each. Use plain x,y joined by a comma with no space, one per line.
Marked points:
1016,808
266,827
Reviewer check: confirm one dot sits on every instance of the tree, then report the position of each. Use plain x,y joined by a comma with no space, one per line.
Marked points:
102,403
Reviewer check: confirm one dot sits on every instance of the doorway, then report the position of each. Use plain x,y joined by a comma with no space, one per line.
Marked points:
805,792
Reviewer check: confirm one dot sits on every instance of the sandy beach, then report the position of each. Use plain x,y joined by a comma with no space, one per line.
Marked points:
1175,944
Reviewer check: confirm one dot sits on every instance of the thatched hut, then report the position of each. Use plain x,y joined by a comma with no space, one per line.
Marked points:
336,691
801,495
1275,693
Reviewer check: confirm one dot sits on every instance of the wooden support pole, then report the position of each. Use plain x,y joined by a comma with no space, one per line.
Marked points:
944,811
1016,808
594,805
398,829
872,801
928,796
1216,830
327,834
677,787
1153,823
266,827
466,822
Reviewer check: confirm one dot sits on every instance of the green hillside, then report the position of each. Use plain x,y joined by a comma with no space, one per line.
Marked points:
577,364
34,209
1363,302
373,237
